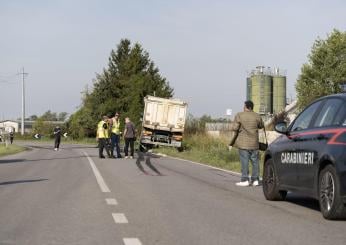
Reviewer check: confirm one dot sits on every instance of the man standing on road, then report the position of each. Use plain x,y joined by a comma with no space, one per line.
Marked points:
57,136
11,135
115,135
130,137
102,136
247,123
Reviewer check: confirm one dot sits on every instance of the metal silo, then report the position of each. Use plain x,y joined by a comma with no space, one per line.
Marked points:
248,88
262,93
279,91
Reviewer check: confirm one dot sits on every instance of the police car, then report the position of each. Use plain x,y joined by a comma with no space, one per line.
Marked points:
310,157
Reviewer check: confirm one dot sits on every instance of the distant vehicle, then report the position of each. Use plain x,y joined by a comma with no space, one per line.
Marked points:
163,122
310,157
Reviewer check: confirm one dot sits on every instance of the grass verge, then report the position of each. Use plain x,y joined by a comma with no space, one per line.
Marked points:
11,149
207,150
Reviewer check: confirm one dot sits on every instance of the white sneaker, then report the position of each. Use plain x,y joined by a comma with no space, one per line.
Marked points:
131,157
243,183
55,149
126,157
255,183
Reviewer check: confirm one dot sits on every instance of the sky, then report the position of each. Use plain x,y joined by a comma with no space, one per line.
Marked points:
203,48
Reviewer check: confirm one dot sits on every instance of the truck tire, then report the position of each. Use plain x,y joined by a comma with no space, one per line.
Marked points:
271,183
331,204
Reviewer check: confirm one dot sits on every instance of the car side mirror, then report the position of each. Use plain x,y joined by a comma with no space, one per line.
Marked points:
281,128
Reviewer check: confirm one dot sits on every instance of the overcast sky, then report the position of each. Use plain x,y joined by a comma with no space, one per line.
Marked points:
203,48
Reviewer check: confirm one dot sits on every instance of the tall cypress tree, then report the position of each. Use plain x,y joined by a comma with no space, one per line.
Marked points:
121,87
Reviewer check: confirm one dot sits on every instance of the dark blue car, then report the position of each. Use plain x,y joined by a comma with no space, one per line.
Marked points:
310,157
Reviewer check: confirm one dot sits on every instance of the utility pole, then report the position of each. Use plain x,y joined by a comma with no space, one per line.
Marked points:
23,100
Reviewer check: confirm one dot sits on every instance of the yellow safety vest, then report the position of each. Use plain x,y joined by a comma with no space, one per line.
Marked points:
102,132
116,126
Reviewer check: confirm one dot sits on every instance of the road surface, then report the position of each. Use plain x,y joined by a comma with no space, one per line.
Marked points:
73,197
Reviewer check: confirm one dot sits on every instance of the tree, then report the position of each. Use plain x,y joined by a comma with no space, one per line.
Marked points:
62,116
49,116
33,118
121,87
326,70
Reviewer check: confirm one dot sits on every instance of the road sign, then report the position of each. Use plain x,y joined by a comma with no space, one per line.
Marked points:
65,135
229,112
37,136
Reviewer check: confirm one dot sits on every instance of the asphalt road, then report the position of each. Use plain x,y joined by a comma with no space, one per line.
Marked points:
73,197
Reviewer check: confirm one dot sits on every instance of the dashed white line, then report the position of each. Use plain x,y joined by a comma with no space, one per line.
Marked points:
120,218
111,201
132,241
99,179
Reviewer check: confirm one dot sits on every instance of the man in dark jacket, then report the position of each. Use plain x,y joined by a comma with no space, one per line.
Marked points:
246,124
57,136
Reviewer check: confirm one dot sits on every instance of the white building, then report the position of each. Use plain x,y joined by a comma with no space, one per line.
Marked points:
9,123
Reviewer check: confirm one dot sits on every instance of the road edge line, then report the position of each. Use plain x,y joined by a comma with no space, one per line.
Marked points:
201,164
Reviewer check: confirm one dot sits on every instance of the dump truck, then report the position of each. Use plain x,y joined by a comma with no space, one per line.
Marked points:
163,122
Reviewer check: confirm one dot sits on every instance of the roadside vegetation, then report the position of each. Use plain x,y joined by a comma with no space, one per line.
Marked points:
203,148
325,71
11,149
206,149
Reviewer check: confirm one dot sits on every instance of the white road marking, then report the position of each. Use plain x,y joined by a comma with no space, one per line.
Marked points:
111,201
205,165
99,179
120,218
132,241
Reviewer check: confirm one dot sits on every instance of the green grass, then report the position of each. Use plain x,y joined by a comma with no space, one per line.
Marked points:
11,149
207,150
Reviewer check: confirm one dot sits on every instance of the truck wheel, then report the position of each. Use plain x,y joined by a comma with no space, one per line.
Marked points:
271,183
180,149
330,201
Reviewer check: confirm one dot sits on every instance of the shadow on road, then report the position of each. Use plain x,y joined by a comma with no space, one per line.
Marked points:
9,161
66,147
146,157
21,181
303,201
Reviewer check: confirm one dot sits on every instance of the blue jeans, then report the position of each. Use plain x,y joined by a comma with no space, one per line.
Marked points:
115,139
245,157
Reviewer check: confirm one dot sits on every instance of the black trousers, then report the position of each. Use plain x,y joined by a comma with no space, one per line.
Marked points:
104,143
57,142
129,142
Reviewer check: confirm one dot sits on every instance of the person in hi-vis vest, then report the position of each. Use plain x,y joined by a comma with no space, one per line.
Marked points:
102,135
115,135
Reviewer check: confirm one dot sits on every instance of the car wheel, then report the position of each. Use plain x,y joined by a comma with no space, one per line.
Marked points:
330,201
271,183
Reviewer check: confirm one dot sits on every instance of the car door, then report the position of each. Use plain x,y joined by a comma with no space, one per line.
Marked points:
314,140
291,144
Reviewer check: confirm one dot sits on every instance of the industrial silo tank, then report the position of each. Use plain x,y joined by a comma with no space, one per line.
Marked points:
262,93
279,93
248,89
